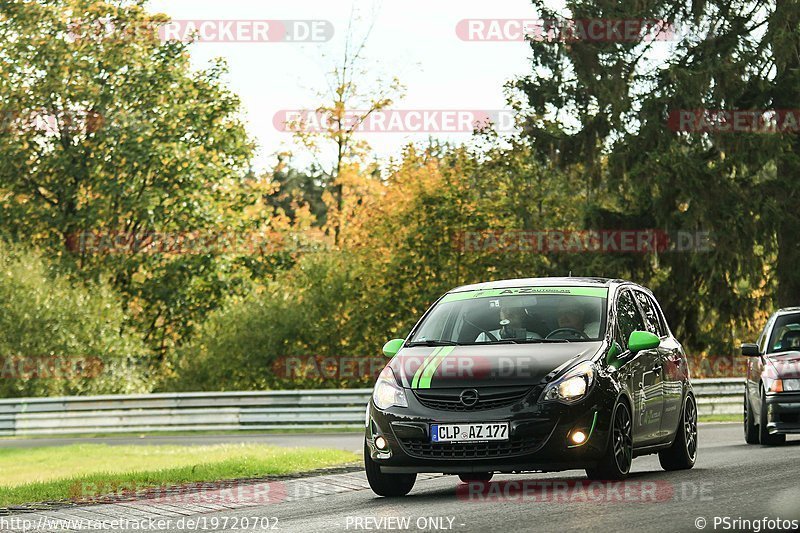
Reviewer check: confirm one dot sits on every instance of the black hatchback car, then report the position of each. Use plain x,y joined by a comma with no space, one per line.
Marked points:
526,375
772,393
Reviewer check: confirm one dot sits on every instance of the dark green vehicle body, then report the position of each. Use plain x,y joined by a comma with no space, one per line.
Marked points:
632,357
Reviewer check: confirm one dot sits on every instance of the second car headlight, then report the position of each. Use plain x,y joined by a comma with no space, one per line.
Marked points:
387,392
792,385
573,385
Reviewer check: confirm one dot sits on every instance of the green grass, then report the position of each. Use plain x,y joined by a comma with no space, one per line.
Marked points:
59,473
720,418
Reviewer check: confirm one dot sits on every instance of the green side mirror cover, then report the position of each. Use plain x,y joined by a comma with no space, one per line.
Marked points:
643,340
391,348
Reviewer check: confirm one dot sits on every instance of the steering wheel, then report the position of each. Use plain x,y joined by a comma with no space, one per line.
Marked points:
490,335
580,333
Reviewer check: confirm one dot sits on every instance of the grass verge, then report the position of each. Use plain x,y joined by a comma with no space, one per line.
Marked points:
720,418
62,473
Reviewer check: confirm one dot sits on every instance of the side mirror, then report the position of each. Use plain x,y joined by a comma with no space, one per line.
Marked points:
391,348
614,352
643,340
750,350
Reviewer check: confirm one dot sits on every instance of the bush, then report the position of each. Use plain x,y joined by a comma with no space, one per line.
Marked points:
314,311
59,336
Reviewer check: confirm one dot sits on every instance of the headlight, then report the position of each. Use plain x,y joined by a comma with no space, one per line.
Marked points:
387,393
573,385
791,385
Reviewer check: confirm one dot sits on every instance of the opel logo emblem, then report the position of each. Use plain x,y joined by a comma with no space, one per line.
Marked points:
469,397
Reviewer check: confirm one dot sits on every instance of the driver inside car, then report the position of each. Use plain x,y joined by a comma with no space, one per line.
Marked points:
573,316
512,326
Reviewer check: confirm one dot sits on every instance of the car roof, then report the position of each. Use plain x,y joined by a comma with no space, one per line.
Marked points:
541,282
786,311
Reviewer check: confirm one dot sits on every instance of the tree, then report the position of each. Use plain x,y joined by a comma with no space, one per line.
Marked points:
614,101
111,131
351,98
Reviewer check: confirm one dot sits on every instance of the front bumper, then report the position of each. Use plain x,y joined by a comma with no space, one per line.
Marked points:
539,437
783,412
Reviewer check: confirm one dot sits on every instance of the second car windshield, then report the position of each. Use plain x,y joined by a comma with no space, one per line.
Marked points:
785,334
516,315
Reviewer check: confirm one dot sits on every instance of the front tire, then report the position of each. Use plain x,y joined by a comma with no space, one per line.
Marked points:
750,427
388,485
616,462
764,435
683,452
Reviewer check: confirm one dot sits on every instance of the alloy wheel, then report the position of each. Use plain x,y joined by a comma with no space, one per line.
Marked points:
623,439
690,427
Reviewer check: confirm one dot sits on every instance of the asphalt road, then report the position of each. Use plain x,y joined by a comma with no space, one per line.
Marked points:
730,479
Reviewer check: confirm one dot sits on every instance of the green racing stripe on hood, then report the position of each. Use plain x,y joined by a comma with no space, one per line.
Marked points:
421,369
597,292
425,380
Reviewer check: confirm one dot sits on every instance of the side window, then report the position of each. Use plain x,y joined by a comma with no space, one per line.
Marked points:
651,319
628,318
762,340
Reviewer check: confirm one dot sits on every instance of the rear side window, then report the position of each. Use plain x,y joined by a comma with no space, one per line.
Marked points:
652,320
628,318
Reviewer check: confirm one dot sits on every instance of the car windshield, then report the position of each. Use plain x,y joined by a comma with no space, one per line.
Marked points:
528,314
785,334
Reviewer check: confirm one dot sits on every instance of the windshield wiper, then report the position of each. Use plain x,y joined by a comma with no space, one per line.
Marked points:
543,341
518,341
432,342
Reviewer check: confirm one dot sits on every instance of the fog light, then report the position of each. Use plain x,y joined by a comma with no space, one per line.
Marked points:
579,437
381,443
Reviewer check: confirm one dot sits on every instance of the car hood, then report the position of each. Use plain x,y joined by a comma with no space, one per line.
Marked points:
786,364
496,365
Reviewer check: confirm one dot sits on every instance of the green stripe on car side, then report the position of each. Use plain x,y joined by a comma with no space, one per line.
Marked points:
597,292
427,374
418,373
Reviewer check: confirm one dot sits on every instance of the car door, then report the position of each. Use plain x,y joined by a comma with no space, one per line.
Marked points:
670,366
643,372
755,367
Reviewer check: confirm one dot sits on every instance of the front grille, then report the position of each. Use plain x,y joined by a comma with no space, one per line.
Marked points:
488,398
469,450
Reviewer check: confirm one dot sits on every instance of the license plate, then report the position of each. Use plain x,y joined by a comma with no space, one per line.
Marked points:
468,432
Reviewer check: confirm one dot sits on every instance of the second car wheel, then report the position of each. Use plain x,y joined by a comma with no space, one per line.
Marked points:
389,485
683,452
616,463
764,436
